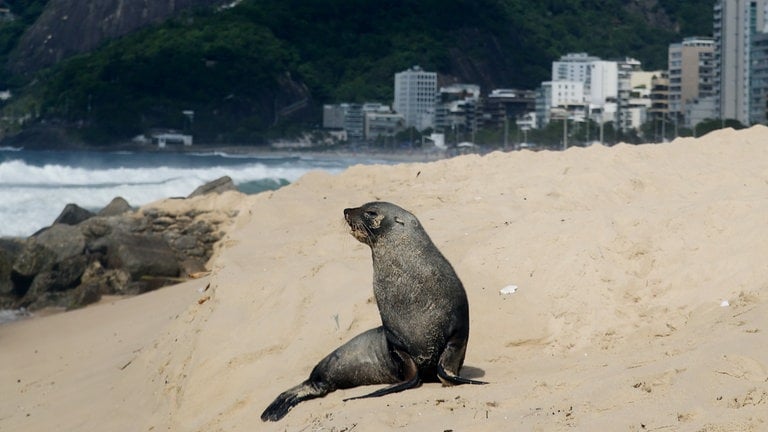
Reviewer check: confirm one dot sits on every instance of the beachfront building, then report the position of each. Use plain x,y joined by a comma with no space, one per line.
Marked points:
381,122
573,67
559,95
458,109
659,110
164,138
348,117
415,97
333,117
735,24
603,83
691,75
699,110
508,105
758,95
633,99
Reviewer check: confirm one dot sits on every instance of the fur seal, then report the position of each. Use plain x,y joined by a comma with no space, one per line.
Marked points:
424,313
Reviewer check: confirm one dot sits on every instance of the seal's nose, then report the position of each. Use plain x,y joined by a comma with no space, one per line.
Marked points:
347,211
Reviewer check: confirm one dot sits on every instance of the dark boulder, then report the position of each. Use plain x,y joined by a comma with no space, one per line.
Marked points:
9,250
83,295
34,259
109,281
72,215
51,261
61,276
96,227
222,184
141,255
54,299
64,240
116,207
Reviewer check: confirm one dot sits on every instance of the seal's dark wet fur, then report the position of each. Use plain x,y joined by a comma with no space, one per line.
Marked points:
424,315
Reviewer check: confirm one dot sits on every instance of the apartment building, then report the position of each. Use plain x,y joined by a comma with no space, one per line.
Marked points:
573,67
691,75
735,24
415,97
758,96
568,95
507,105
458,108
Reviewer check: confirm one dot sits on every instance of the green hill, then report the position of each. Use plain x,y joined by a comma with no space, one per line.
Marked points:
263,68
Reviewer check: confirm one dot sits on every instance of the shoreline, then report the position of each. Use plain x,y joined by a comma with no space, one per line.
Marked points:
324,152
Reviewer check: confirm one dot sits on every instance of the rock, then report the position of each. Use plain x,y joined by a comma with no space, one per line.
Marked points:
141,256
185,242
83,296
114,252
58,252
116,207
33,259
72,215
9,250
62,277
219,185
191,266
163,222
63,240
109,281
57,299
96,227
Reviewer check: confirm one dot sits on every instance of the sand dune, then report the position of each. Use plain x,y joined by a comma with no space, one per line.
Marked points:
641,303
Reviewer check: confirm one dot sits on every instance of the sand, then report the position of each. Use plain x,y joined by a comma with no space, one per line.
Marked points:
641,303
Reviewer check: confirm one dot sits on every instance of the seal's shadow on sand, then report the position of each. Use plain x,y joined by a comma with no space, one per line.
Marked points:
472,372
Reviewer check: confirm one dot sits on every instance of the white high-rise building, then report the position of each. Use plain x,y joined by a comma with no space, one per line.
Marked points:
603,82
415,97
600,78
564,95
573,67
735,24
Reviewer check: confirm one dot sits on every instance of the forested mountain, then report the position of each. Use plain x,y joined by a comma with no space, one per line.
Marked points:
260,69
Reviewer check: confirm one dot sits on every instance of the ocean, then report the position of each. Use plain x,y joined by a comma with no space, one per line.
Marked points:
35,186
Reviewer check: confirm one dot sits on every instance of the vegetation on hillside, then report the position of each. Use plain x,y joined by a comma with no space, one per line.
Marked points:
231,66
25,13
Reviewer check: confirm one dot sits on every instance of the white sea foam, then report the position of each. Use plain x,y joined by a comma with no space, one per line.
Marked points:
32,195
9,315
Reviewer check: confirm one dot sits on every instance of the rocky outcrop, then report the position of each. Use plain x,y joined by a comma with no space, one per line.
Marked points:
220,185
72,214
9,250
68,27
117,251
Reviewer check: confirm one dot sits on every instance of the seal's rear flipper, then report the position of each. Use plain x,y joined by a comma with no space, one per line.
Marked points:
405,385
411,378
290,398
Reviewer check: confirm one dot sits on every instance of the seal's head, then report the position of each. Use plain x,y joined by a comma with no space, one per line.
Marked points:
375,220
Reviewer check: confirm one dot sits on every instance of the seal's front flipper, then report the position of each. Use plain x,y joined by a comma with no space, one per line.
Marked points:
411,378
450,363
290,398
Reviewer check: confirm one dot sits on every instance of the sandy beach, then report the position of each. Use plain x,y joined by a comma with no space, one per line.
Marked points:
641,303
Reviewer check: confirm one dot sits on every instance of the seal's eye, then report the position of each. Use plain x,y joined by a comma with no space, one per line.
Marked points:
370,214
